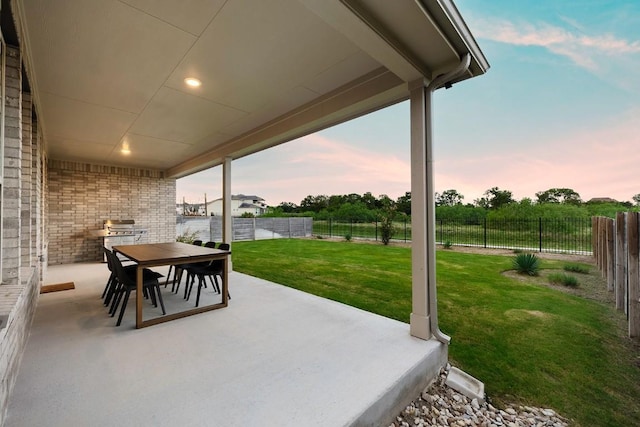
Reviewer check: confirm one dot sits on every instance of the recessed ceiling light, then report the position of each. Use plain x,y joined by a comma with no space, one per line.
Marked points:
125,149
193,82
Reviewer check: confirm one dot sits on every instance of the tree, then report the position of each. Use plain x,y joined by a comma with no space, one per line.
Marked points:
496,198
636,199
482,202
334,202
449,198
314,203
403,204
287,207
559,195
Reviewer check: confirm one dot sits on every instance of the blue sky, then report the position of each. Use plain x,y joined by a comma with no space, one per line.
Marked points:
559,107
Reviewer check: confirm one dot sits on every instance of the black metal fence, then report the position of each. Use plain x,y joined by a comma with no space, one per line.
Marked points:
564,235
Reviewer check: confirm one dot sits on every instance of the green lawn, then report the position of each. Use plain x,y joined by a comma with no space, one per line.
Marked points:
527,342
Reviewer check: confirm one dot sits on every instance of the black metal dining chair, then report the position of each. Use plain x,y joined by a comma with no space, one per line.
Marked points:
112,282
181,268
212,269
178,269
126,280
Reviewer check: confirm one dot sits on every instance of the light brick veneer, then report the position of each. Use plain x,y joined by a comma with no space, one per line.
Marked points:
22,242
81,196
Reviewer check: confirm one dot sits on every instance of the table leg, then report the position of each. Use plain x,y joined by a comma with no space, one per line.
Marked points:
139,298
225,282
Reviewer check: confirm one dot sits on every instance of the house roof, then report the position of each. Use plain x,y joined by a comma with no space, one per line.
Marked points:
241,197
249,206
108,72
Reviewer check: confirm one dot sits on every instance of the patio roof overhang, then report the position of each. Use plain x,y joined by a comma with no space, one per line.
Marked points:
106,72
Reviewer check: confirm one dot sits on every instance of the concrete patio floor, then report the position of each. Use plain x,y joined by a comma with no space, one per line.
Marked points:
274,357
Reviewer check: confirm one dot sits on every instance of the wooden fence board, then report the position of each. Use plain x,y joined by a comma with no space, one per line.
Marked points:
620,276
594,240
617,255
611,262
633,274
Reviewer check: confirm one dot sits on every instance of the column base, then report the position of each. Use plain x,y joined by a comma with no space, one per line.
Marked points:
420,326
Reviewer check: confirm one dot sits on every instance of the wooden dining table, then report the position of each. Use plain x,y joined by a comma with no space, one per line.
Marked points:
173,253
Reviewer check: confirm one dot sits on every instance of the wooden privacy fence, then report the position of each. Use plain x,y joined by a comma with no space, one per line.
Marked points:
616,247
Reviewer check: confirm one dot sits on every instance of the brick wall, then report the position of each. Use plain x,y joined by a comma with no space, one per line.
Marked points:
11,203
24,168
81,196
19,305
26,183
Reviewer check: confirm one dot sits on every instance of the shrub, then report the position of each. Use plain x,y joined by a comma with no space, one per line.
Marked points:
447,244
576,268
527,264
347,237
563,279
517,251
387,230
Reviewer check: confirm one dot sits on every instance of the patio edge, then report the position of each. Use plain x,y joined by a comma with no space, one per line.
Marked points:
383,411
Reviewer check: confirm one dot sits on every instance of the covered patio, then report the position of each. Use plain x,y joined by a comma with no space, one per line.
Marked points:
107,103
275,356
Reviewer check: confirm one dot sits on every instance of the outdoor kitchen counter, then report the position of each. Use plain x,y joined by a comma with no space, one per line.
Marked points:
172,253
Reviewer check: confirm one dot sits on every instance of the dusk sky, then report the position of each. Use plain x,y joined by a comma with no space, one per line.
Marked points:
559,107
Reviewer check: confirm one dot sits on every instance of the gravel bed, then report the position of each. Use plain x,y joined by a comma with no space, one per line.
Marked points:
441,406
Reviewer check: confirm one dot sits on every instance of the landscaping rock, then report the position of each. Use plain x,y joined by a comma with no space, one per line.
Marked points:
441,406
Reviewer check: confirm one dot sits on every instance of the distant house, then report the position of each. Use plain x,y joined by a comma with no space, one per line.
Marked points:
240,204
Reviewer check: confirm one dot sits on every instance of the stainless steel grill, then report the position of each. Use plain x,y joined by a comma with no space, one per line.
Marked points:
122,232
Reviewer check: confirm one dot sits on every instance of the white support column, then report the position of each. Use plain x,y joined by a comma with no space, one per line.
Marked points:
424,315
420,324
227,230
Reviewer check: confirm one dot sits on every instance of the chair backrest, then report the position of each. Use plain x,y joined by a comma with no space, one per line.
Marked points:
197,242
211,245
108,254
116,265
224,246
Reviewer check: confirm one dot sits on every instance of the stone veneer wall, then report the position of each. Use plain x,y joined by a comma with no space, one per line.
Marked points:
81,196
22,243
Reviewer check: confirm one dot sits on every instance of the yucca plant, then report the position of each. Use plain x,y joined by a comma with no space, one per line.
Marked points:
527,264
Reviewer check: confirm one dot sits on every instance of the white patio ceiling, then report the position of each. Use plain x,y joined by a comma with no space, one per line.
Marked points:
104,72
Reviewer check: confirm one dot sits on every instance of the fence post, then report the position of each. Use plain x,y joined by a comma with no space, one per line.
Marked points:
611,263
485,232
620,276
405,230
376,229
593,239
254,228
540,234
633,274
330,219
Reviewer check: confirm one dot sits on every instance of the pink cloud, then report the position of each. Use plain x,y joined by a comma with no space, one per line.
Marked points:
595,161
